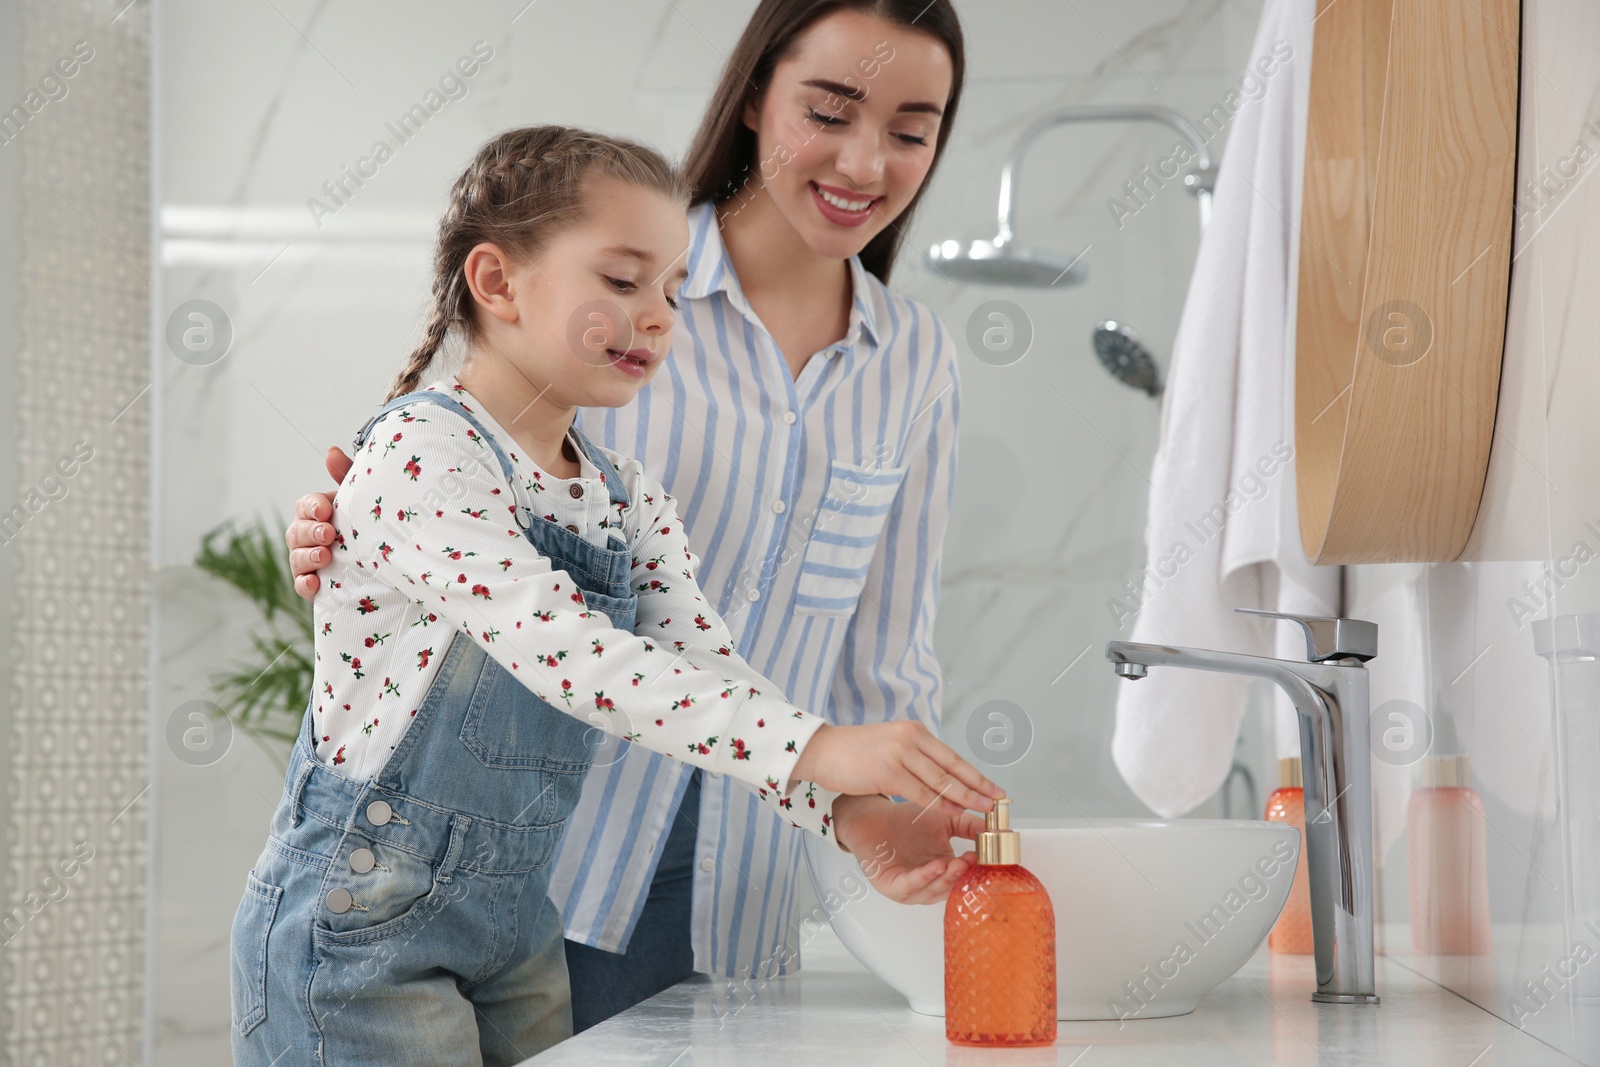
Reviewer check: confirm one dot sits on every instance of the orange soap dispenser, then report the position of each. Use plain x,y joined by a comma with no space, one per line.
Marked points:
999,947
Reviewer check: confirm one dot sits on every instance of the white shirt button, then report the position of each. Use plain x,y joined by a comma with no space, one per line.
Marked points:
778,507
753,595
789,417
707,865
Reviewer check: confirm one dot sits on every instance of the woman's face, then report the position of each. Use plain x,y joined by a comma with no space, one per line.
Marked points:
845,131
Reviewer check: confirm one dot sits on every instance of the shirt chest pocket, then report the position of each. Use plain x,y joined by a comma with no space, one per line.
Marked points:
844,538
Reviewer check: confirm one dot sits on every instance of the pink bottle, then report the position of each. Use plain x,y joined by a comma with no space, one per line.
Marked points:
1446,858
1292,932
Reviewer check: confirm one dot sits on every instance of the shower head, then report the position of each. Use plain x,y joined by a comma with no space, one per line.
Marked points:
1126,357
1002,261
1011,263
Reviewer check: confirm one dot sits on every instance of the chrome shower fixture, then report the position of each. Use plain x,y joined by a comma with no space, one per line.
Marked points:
1126,357
1003,260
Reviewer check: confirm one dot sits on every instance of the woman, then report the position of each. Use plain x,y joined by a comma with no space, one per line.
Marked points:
806,425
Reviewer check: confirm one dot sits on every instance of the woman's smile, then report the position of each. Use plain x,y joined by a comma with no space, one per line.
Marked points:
842,206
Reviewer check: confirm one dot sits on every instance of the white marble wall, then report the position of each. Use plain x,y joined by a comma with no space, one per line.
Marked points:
259,104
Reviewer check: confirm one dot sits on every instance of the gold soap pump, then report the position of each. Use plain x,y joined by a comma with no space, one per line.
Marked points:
999,946
998,844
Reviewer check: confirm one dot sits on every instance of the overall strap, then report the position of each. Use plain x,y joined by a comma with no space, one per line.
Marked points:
619,495
523,511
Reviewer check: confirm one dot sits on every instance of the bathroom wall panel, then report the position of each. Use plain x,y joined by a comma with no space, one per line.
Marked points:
77,788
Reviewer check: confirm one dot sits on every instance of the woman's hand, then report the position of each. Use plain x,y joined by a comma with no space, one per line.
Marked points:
905,854
312,528
900,758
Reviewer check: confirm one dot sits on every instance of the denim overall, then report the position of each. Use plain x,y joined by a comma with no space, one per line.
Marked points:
405,919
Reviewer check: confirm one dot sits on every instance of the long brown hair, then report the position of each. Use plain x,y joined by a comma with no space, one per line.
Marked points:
521,188
724,150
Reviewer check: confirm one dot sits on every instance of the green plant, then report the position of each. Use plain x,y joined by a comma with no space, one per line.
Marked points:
264,696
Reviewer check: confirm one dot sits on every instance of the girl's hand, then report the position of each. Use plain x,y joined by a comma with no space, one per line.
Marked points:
905,855
313,528
900,758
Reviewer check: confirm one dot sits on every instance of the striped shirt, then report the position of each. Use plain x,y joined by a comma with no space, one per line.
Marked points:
818,508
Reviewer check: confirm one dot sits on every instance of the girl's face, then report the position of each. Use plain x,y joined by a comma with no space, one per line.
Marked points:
595,308
845,131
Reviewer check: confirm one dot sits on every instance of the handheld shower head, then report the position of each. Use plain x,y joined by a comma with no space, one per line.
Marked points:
1126,357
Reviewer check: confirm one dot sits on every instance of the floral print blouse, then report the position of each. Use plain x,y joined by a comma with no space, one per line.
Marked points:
425,544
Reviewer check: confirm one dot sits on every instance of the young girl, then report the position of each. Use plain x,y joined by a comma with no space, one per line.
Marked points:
500,588
800,381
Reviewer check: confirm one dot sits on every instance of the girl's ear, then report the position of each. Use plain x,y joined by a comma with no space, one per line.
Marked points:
488,272
751,116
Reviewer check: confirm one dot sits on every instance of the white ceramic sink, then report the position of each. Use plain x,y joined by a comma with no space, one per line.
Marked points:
1150,914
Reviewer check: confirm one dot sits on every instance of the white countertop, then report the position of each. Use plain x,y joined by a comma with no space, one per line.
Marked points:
835,1012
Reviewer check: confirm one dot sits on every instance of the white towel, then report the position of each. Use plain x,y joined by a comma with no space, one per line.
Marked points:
1222,530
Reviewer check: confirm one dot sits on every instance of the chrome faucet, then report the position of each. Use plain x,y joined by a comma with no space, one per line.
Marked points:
1330,693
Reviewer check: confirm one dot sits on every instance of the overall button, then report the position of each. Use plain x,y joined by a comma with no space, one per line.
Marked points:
571,528
576,490
379,812
362,860
339,901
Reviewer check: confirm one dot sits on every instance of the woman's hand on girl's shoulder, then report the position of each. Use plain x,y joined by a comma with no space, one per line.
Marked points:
312,528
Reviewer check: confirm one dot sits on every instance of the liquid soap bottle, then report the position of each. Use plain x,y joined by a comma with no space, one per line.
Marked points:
1291,934
999,947
1446,853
